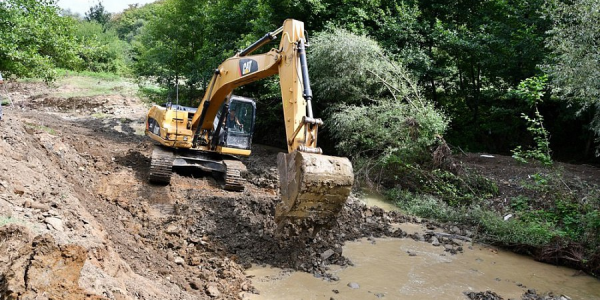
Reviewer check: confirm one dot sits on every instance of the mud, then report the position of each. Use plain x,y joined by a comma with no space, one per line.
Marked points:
78,211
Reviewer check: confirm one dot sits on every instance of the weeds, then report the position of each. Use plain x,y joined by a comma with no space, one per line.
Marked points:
552,213
153,94
532,90
9,220
41,128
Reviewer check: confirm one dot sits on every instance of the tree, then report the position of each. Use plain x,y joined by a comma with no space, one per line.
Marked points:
575,68
34,39
379,113
101,50
98,14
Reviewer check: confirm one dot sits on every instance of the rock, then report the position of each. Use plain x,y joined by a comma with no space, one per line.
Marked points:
379,295
435,241
213,291
353,285
172,229
55,223
36,205
327,254
180,261
18,189
195,261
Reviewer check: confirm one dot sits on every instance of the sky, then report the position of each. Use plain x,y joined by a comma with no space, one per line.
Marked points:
113,6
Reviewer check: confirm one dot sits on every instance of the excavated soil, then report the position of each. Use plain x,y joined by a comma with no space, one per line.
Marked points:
83,221
78,218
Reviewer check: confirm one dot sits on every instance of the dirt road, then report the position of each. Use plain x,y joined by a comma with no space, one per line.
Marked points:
78,218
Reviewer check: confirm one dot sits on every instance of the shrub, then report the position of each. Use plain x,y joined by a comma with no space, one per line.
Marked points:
377,112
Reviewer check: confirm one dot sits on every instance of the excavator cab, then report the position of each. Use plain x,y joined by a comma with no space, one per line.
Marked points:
239,123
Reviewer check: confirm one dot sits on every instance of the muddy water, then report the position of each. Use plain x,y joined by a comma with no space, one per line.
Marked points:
385,269
372,198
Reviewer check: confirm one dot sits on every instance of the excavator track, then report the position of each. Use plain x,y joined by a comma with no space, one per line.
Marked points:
161,166
233,175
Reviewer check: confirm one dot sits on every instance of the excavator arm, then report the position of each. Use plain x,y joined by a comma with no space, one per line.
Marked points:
287,61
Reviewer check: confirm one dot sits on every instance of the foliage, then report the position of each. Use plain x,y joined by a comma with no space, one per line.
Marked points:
491,226
464,188
575,68
378,109
571,207
101,50
97,14
532,90
35,39
129,24
562,221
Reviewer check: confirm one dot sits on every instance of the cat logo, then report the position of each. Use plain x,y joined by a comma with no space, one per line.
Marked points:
248,66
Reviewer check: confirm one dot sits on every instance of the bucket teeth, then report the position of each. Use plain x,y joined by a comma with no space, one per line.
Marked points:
313,188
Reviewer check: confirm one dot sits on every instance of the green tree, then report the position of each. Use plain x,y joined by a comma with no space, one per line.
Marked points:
101,50
97,13
575,68
130,23
532,90
34,39
379,113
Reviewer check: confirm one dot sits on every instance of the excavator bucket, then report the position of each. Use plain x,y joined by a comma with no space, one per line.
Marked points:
314,188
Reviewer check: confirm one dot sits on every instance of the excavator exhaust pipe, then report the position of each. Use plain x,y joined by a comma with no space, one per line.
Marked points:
314,188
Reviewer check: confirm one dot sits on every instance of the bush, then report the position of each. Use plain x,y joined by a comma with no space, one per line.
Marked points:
377,112
100,50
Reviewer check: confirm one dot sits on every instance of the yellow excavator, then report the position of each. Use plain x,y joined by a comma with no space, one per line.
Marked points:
212,137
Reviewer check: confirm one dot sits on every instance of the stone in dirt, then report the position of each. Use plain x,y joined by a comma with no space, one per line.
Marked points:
327,254
55,223
180,261
487,295
435,241
213,291
353,285
36,205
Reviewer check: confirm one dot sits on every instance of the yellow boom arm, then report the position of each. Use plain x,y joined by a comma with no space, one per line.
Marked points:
301,130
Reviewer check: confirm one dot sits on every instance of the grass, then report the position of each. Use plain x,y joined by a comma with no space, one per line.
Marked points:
41,128
153,93
10,220
553,215
99,115
88,84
